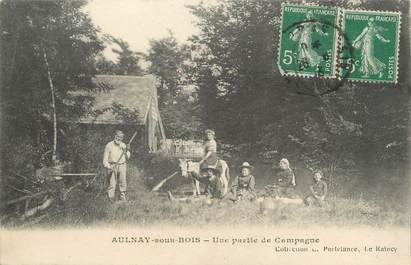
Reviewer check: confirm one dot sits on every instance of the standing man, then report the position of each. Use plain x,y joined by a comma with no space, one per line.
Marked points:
115,156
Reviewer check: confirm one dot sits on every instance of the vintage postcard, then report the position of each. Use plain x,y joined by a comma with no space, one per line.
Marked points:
205,132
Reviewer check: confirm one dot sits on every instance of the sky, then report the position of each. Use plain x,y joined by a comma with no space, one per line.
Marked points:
138,21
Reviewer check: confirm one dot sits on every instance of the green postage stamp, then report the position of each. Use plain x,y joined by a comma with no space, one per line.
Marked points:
308,40
370,46
331,42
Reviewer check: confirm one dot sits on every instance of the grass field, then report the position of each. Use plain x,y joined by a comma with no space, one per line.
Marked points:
146,208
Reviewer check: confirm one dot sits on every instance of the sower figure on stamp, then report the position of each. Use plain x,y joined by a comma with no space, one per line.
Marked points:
318,191
243,186
115,156
304,35
370,65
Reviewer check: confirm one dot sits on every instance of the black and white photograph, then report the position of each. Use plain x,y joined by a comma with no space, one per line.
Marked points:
205,132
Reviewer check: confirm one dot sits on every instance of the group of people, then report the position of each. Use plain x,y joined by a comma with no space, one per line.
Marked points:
242,187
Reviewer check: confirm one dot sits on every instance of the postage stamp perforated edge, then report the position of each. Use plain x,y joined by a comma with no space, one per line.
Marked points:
340,43
335,42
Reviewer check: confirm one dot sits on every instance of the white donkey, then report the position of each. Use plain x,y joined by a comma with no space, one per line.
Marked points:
191,169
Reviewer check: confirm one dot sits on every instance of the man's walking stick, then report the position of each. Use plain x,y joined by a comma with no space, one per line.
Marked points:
124,151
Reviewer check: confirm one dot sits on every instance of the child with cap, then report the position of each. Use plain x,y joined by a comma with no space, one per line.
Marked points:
214,184
243,186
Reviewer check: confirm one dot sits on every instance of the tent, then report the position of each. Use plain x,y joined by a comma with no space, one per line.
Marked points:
136,93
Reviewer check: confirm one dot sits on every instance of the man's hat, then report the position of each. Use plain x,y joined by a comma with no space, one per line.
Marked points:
207,167
118,133
209,131
247,165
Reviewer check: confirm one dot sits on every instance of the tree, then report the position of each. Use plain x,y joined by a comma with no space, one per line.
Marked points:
127,62
105,66
168,62
234,66
44,41
243,96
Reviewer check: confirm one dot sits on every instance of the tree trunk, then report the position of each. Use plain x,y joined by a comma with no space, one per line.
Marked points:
53,106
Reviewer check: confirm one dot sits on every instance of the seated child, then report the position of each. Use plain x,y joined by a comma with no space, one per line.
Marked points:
243,186
214,185
318,191
284,183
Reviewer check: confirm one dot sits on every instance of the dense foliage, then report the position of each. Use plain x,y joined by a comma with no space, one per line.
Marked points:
340,127
170,62
31,31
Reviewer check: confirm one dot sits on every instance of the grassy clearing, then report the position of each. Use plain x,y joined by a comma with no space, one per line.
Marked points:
86,208
151,209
